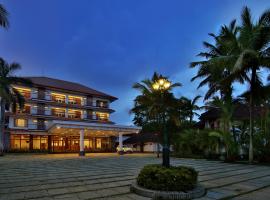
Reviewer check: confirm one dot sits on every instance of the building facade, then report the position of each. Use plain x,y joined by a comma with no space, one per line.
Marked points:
62,116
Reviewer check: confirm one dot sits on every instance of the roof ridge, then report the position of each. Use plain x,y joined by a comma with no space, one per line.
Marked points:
70,82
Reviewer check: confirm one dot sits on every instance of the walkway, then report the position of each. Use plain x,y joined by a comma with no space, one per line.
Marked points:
108,176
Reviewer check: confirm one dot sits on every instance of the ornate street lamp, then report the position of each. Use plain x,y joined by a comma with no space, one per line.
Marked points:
163,85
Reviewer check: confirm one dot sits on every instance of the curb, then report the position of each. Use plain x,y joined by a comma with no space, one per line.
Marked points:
197,192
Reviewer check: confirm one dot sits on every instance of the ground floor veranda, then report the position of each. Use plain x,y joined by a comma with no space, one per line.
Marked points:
60,143
70,137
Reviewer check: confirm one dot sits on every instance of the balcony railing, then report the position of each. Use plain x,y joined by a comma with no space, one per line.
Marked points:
58,114
73,116
92,104
26,110
26,95
97,117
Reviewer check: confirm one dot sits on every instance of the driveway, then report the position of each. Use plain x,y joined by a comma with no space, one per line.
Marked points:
108,176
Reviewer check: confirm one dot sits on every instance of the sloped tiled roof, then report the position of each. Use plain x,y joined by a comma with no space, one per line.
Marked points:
67,85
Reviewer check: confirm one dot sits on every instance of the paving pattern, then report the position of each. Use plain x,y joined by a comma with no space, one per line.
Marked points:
108,176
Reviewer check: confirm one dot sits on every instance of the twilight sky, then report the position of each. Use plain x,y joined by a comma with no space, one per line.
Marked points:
110,44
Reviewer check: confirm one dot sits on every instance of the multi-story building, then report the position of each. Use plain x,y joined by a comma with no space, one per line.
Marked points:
62,116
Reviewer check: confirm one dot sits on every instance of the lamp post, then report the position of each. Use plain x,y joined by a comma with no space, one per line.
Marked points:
163,85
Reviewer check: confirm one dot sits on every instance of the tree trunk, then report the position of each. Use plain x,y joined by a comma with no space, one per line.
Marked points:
2,126
251,113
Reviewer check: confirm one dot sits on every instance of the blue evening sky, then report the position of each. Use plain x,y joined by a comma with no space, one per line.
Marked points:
110,44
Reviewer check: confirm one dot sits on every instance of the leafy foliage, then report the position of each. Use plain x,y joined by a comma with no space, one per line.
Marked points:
157,177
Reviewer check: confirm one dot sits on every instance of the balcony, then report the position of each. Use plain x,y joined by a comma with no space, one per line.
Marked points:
58,112
74,114
97,117
98,104
59,98
75,100
25,110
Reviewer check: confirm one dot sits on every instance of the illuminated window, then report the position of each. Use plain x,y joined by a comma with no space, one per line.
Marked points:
98,143
102,116
25,92
74,114
74,100
102,104
60,98
25,109
59,112
20,123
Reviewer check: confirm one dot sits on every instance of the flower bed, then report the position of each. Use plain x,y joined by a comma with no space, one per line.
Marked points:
157,177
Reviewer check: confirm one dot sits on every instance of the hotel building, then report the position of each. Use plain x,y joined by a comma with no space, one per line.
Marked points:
62,116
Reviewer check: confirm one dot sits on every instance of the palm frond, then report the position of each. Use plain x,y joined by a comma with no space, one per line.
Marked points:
4,22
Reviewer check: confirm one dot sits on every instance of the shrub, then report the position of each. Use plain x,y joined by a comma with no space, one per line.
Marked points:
157,177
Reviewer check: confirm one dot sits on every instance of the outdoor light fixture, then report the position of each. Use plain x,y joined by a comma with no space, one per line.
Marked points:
161,84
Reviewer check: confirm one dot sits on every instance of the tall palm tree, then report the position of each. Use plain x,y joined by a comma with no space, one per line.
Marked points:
245,54
209,69
189,107
3,17
9,96
154,105
251,55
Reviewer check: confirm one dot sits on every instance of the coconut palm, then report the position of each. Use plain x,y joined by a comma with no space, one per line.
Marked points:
251,55
9,95
245,54
3,17
209,69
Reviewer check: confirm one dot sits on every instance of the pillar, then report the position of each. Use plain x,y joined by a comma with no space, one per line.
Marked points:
120,139
30,142
49,143
82,153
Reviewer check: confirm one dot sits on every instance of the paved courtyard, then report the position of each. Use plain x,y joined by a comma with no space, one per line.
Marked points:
108,176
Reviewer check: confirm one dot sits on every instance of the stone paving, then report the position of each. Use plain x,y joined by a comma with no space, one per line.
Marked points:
108,176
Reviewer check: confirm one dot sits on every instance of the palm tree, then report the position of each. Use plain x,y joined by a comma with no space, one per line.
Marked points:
245,53
189,107
209,69
154,105
3,17
251,55
8,94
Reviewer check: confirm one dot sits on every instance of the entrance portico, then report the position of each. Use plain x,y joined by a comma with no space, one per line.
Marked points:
93,130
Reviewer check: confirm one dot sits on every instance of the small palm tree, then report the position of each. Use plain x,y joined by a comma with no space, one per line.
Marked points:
156,105
3,17
8,94
190,107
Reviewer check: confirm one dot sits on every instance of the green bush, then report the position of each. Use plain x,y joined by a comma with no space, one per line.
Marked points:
157,177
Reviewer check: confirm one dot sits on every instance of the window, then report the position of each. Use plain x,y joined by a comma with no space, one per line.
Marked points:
98,143
102,116
102,104
74,100
20,123
60,98
76,114
36,142
59,112
25,109
25,92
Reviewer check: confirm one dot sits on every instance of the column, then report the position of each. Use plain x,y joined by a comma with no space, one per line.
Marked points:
31,142
49,143
66,99
82,153
120,139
